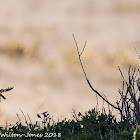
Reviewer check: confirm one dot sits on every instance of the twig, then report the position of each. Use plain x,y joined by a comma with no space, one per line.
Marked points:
122,75
79,55
24,117
30,119
18,117
138,53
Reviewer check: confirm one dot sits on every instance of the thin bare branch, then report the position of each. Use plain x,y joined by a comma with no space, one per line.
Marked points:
87,77
122,75
18,117
138,53
97,102
30,119
24,117
83,48
80,58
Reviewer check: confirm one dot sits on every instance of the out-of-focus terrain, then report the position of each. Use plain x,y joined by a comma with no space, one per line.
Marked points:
38,55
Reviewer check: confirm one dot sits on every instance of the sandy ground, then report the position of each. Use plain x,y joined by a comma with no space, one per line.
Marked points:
38,54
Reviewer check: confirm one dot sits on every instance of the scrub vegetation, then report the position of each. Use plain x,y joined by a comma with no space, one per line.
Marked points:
94,124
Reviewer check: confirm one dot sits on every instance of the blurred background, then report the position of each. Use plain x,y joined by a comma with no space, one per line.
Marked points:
38,56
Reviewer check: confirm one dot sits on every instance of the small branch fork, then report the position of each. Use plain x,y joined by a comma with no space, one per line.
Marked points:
128,104
138,53
79,55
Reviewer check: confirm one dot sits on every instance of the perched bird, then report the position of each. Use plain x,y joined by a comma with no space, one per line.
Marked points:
5,90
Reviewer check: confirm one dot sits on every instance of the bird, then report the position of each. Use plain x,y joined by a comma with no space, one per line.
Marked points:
5,90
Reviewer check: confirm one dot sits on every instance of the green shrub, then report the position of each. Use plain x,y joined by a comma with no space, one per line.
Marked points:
93,125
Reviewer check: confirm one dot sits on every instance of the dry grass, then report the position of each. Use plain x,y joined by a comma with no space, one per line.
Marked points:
13,49
17,49
127,7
